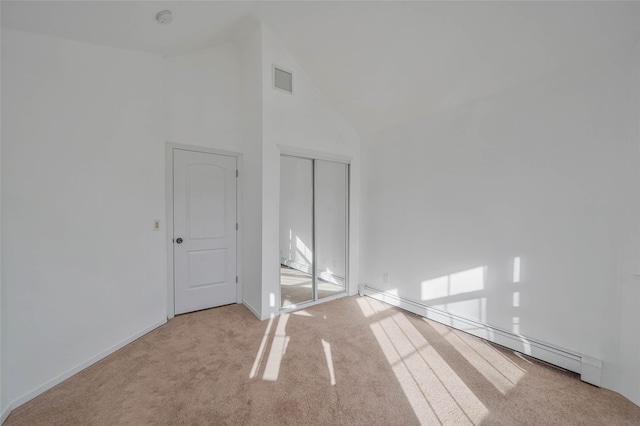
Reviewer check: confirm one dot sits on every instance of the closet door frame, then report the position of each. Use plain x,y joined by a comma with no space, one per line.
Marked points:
316,155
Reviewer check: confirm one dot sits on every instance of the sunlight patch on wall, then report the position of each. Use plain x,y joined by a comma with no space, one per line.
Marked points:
435,288
516,325
516,299
474,309
458,283
305,254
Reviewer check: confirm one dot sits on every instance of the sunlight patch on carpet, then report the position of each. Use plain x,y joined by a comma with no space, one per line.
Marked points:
498,371
436,393
327,353
278,349
370,307
260,354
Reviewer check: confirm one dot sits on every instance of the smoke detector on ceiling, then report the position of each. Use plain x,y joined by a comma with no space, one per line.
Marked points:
164,17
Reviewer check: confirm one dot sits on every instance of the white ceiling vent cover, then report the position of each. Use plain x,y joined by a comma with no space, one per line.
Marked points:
282,79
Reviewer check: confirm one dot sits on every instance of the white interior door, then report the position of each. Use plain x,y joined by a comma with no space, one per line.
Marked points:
204,241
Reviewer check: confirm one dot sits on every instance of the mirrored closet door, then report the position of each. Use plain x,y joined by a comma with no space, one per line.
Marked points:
313,229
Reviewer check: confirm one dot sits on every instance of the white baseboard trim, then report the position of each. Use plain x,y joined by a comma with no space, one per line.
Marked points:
252,309
298,307
64,376
588,367
6,413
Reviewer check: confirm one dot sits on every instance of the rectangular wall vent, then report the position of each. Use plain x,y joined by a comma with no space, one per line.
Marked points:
282,79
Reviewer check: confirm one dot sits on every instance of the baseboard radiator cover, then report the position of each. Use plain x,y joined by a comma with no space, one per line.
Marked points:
323,275
589,368
296,265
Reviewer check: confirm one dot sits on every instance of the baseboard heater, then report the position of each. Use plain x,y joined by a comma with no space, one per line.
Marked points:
326,276
590,369
295,265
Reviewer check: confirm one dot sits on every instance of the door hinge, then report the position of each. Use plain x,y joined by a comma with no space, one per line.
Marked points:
237,173
236,226
236,279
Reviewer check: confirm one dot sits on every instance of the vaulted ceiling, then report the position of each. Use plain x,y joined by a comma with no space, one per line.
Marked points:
378,63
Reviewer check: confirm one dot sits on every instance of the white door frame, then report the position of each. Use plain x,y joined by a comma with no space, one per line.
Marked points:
171,146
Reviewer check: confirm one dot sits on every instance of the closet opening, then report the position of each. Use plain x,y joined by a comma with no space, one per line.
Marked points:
314,222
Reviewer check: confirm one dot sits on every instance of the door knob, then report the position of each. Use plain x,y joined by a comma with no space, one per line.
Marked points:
179,240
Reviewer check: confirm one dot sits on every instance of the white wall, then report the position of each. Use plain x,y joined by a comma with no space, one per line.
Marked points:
303,120
213,98
223,98
203,98
3,404
82,182
547,172
83,179
203,106
251,178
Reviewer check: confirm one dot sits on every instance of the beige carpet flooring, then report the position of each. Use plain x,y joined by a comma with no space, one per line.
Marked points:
351,361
